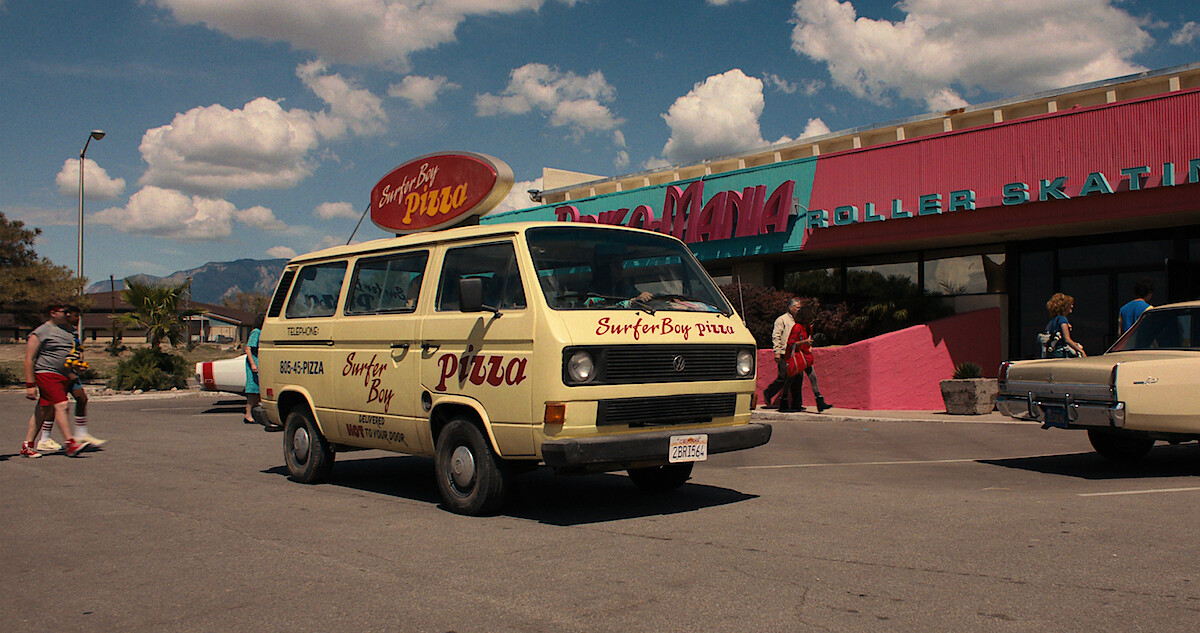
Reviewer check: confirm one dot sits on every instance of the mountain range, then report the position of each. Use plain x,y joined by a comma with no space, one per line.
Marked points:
214,281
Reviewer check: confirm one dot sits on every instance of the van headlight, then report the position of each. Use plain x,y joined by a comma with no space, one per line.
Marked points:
580,367
745,362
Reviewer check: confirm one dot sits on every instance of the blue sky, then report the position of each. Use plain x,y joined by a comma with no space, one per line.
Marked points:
256,128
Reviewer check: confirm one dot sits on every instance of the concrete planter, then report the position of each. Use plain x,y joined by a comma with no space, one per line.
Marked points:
971,396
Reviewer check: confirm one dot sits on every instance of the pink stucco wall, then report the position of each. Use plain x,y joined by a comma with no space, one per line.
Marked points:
900,370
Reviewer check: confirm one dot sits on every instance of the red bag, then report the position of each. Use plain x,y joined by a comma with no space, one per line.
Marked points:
796,363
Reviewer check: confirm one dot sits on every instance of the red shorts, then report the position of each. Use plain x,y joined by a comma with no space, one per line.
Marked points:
53,386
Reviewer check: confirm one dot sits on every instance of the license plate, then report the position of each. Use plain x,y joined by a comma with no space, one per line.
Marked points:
1056,416
688,448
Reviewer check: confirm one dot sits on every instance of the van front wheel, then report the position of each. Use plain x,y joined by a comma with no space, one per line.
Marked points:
471,478
309,457
663,478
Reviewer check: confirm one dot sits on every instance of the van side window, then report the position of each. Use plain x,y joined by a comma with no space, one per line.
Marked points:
316,291
496,264
386,284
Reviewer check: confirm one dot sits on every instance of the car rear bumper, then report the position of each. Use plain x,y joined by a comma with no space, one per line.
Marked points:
1074,413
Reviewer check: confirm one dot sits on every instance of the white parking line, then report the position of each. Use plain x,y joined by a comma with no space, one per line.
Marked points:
892,463
1138,492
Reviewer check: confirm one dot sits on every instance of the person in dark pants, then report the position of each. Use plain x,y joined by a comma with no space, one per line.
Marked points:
779,336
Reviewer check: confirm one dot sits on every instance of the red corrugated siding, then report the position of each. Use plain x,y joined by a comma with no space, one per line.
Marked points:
1074,143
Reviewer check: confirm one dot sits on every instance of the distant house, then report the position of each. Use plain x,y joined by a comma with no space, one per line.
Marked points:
217,324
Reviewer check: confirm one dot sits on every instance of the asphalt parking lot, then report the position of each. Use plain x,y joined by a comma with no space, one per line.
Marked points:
186,521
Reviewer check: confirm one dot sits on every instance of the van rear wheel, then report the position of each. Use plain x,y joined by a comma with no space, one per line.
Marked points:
471,478
309,457
663,478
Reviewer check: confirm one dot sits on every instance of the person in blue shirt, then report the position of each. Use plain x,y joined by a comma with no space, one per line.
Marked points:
252,392
1064,345
1143,289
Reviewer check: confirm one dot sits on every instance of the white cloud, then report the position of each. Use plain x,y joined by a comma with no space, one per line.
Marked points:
281,252
169,213
943,47
420,91
331,210
780,84
97,185
214,149
518,197
814,127
260,217
571,100
719,116
211,150
42,218
1186,34
172,214
328,241
349,106
350,31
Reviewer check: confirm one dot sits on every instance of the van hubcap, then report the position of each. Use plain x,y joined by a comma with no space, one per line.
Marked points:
300,445
462,467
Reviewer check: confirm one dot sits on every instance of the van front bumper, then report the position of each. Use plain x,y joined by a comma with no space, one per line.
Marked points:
616,452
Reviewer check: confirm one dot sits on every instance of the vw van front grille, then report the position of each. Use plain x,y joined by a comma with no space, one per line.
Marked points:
643,364
665,410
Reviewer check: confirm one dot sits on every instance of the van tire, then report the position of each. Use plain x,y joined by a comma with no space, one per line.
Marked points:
308,455
471,478
663,478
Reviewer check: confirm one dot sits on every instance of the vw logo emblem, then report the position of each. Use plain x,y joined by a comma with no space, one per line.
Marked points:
678,363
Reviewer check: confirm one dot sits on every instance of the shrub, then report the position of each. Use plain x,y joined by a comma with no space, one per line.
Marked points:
759,307
149,368
968,370
9,377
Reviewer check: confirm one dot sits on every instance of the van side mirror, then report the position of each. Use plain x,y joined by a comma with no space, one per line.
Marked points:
470,294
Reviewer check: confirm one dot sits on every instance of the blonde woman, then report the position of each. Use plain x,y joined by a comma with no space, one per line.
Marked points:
1059,306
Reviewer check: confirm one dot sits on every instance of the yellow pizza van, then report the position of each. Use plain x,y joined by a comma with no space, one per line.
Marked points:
498,348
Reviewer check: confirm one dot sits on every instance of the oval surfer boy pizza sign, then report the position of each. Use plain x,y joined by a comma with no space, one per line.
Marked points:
436,191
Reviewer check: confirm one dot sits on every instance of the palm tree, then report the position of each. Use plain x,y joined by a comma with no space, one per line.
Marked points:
156,310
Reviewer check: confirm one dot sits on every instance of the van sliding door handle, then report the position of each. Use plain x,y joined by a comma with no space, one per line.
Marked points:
429,347
399,345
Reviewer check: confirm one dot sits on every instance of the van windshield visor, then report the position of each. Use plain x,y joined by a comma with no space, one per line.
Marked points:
584,269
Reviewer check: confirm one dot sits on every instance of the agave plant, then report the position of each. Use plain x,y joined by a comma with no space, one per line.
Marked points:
968,370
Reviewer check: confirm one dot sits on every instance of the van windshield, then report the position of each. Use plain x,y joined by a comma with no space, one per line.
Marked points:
581,269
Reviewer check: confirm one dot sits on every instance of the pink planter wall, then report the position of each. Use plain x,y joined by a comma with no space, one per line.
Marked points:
900,370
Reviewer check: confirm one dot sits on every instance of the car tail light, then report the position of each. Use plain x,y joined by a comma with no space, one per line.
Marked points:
1112,381
1002,375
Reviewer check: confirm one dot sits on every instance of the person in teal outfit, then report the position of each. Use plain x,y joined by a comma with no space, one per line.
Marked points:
252,393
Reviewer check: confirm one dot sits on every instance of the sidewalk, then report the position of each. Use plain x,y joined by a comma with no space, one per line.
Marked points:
854,415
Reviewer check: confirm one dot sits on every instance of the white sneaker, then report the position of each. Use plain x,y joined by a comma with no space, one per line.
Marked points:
90,440
48,445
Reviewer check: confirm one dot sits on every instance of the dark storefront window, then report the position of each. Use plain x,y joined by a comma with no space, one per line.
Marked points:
1100,276
965,274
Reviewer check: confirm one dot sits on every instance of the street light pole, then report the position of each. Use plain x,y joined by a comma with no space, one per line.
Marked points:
95,134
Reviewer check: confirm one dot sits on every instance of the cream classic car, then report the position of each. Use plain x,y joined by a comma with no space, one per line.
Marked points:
1145,388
